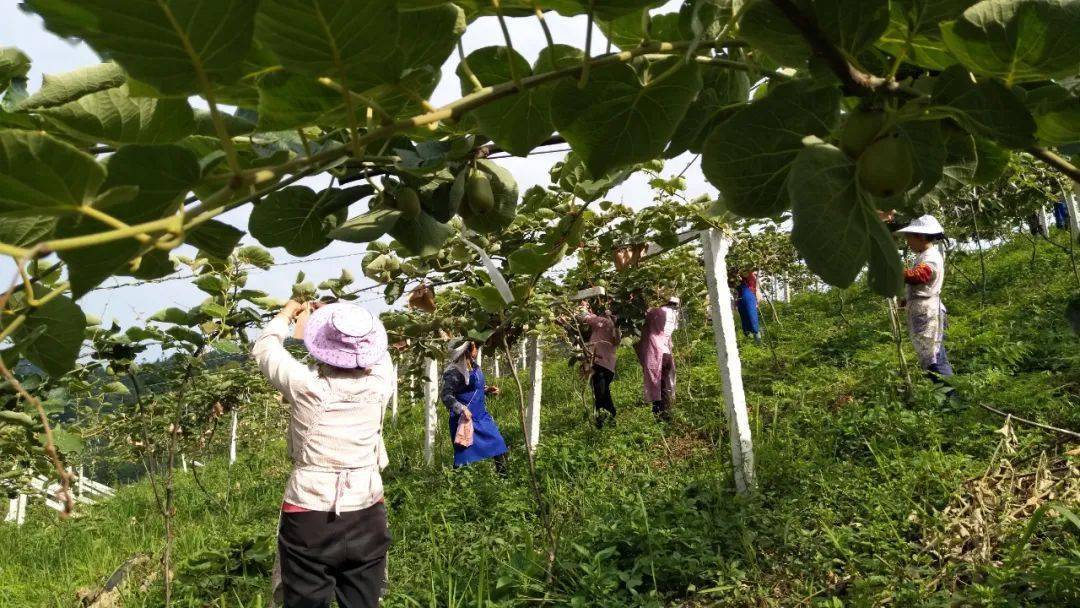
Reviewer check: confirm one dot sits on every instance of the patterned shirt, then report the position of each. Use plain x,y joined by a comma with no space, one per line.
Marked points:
335,431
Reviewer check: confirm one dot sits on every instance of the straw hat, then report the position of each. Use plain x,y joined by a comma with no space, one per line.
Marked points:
345,335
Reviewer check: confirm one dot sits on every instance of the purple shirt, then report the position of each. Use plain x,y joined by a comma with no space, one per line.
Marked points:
603,340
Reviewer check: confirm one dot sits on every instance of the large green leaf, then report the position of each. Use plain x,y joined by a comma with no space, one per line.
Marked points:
163,175
830,225
215,238
59,325
1018,40
165,43
748,156
59,89
112,116
361,43
520,122
13,64
288,101
987,108
959,166
487,296
297,219
616,120
505,189
886,272
40,174
852,25
367,227
26,231
913,31
722,90
1057,114
928,156
421,235
572,176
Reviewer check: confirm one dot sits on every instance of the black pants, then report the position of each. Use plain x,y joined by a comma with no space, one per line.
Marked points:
323,556
662,408
601,387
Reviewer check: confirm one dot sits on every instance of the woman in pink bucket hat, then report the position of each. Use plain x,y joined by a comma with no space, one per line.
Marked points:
333,536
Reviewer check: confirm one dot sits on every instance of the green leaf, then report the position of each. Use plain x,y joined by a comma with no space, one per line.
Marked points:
360,43
913,31
42,175
229,347
1017,40
830,225
66,441
531,259
173,315
163,175
616,120
993,161
13,64
517,123
26,231
886,272
64,88
928,154
421,235
210,283
256,256
112,116
57,346
505,189
851,25
986,108
295,218
213,310
721,90
185,335
153,41
748,156
367,227
959,165
487,296
215,238
1057,114
116,388
289,101
573,177
152,265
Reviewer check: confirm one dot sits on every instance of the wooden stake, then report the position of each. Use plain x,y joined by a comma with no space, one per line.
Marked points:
714,249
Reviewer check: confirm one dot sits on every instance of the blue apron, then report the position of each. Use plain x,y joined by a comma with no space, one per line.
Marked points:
748,311
487,441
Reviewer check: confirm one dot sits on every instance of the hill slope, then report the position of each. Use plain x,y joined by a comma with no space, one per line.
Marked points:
867,497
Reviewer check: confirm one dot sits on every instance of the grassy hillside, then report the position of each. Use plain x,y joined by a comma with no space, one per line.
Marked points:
868,494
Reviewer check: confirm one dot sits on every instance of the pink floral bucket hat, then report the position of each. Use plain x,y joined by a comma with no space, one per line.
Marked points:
345,335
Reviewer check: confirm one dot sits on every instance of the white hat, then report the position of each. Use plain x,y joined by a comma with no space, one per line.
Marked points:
926,224
674,300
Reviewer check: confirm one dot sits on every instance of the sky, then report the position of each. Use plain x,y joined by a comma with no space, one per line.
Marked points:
131,305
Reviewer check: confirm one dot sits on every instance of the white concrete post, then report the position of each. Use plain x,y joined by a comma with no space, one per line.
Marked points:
480,358
431,414
496,366
536,386
183,463
1073,204
522,357
17,510
394,399
79,483
714,249
232,440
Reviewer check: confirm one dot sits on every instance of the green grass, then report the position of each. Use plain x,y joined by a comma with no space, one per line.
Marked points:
854,478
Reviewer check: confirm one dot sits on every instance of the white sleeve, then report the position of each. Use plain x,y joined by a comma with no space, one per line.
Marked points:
284,372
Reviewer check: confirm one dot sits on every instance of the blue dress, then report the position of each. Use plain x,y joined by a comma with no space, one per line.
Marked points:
748,311
487,441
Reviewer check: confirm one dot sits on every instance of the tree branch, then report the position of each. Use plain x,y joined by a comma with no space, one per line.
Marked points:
1055,161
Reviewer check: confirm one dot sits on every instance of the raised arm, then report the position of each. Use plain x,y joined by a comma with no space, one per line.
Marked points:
281,369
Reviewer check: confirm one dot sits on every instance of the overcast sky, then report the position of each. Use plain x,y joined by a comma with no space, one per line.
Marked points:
130,305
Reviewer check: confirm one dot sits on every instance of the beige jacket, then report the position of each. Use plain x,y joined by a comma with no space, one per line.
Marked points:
335,434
